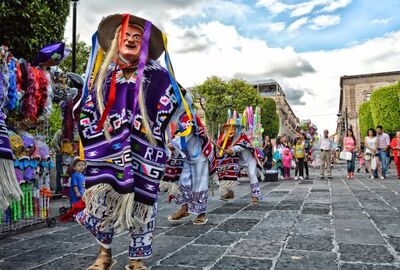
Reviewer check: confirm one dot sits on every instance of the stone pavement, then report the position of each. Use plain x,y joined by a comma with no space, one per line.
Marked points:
310,224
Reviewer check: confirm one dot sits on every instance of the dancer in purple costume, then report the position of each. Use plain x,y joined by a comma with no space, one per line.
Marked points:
123,138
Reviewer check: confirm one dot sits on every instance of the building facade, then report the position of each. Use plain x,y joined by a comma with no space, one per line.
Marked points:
288,121
356,89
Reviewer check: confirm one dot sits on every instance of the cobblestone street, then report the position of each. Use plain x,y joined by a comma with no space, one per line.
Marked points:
310,224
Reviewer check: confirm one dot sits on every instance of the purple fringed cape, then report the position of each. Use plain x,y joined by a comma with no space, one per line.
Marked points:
128,162
5,146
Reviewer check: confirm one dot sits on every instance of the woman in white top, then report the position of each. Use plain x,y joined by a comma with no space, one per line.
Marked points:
371,152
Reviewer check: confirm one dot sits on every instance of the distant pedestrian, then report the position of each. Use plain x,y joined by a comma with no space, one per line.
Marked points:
307,147
277,157
287,162
325,156
395,145
299,155
349,143
56,144
361,158
371,152
383,148
268,155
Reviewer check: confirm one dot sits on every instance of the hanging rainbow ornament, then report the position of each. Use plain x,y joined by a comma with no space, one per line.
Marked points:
257,128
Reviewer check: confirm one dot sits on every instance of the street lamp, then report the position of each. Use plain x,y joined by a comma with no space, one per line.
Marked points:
74,3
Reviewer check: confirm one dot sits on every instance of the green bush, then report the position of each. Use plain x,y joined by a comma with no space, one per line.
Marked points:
365,118
385,108
55,120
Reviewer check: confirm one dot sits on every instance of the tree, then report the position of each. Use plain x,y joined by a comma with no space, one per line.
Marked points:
365,118
28,25
243,95
214,97
269,118
385,108
82,55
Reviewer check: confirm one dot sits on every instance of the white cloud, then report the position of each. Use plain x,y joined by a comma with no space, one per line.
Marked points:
382,21
303,8
274,6
229,54
297,24
332,6
274,27
324,21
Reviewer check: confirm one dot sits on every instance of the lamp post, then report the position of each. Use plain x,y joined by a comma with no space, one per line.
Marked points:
74,3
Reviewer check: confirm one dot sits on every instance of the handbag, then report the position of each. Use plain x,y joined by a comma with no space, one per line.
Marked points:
367,156
346,155
373,163
293,164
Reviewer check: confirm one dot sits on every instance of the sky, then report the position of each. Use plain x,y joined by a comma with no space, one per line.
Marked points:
304,45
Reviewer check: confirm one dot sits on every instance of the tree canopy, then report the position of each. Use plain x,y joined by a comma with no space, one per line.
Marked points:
269,118
28,25
365,118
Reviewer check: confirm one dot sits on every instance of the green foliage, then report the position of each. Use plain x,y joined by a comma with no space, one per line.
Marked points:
82,55
215,96
365,118
28,25
55,120
269,118
385,108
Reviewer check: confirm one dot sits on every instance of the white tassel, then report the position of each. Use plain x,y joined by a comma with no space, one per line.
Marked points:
10,189
122,210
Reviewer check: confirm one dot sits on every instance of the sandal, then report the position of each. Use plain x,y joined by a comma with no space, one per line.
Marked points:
200,220
228,196
104,261
255,201
135,265
181,214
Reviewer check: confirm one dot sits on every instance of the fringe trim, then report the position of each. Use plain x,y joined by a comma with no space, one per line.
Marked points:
10,189
121,209
226,185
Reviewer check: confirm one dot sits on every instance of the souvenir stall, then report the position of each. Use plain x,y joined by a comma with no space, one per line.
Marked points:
26,94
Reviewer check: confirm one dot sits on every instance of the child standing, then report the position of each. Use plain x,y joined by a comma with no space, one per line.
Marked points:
287,161
78,166
361,160
299,154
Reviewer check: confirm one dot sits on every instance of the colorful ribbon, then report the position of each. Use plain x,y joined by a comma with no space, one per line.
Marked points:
178,94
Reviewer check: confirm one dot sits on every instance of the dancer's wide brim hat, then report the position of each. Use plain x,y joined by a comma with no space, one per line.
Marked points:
51,55
108,25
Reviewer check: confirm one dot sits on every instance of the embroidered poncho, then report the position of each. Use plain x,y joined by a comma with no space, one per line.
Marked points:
128,162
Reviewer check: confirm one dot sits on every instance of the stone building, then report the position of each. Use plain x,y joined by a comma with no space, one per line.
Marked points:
356,89
288,121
